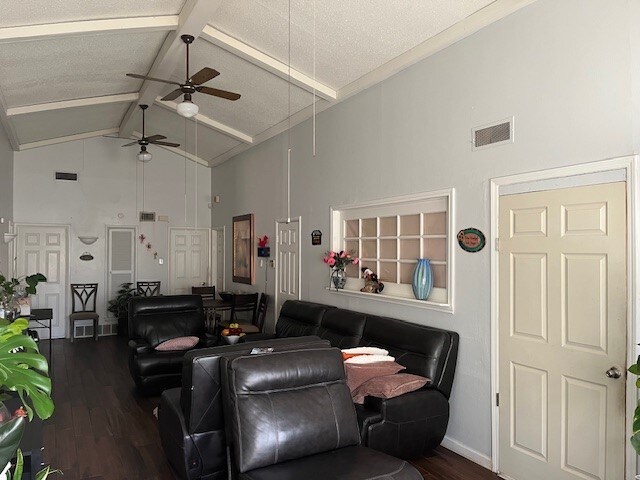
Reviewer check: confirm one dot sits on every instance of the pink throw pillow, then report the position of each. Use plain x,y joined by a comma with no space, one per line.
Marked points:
358,373
389,386
179,343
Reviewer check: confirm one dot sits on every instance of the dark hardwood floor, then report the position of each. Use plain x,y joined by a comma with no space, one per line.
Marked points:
102,430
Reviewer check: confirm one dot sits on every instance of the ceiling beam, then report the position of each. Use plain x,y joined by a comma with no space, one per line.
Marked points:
86,27
80,102
8,125
68,138
194,16
178,151
209,122
267,63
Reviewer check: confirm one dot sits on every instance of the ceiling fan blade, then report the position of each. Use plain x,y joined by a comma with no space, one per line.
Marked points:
204,75
219,93
173,95
155,137
129,144
166,144
144,77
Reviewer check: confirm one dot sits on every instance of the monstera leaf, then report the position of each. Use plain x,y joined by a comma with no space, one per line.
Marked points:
10,435
24,370
32,282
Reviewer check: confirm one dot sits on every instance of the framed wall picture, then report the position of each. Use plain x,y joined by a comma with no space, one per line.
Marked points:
243,254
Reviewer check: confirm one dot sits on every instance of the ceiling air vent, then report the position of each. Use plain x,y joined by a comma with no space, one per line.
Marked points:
493,134
147,216
73,177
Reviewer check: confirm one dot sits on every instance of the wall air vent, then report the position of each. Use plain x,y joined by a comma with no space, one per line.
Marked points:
73,177
147,216
494,134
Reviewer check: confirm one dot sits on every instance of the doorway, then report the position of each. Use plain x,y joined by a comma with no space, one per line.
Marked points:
188,259
287,262
563,330
44,249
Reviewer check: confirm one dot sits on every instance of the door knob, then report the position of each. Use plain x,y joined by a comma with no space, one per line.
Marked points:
613,372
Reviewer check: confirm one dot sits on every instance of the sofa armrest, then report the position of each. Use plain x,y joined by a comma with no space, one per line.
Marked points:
254,337
423,403
138,345
208,340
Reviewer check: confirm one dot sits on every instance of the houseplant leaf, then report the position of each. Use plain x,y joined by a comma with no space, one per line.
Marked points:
10,435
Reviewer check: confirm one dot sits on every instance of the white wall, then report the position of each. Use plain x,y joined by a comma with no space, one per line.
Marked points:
567,70
108,186
6,197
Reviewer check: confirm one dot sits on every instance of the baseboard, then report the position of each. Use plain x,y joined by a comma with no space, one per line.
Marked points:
466,452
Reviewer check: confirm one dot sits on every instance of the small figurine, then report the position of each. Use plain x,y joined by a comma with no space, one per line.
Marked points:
371,283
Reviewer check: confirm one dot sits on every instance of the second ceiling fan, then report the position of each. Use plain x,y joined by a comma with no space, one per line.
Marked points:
191,85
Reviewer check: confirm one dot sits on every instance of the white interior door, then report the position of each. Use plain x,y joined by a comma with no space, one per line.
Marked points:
188,260
121,259
43,249
562,327
287,262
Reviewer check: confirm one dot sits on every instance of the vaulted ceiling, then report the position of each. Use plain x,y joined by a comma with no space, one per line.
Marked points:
63,62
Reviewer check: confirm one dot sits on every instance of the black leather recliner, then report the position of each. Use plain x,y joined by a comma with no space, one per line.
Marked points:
407,426
289,415
191,419
153,320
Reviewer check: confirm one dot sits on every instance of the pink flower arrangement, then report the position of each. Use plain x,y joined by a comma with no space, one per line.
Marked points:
340,260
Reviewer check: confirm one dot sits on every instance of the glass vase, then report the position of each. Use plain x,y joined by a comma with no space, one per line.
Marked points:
422,283
338,278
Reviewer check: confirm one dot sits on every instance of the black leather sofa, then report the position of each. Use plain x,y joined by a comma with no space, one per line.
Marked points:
289,415
191,419
153,320
405,426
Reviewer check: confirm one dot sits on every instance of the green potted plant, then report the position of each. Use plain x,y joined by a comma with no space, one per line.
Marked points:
10,286
119,306
23,370
635,437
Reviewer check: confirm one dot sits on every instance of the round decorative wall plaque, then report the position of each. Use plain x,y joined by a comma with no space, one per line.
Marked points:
471,240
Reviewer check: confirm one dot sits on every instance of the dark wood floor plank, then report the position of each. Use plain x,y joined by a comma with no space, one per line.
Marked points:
102,430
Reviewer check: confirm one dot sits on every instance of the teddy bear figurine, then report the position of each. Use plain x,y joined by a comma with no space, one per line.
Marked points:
371,283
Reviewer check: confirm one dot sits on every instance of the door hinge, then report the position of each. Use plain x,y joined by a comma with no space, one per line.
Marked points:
497,246
497,399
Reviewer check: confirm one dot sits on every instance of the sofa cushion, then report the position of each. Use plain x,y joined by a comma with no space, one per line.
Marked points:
287,405
159,363
350,463
298,318
389,386
359,373
178,344
343,328
425,351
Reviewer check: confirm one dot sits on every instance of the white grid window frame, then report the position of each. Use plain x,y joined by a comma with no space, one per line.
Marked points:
389,235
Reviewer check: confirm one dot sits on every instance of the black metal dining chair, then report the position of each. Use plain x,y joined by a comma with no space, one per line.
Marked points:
148,289
83,306
246,305
207,293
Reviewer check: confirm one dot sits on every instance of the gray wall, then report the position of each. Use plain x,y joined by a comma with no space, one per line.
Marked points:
6,197
567,70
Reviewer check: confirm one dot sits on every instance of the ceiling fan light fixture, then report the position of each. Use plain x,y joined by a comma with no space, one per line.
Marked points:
187,109
144,156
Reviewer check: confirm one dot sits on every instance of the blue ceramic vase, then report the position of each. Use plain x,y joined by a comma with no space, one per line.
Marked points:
422,279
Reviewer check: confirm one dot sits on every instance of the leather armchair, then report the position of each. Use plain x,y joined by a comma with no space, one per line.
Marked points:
153,320
290,415
191,419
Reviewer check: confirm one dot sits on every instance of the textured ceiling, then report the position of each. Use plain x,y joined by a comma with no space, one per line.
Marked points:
265,97
352,37
75,67
36,12
60,123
